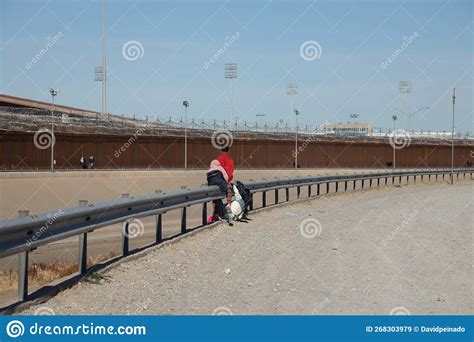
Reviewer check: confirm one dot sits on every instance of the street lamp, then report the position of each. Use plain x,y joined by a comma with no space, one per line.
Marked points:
405,87
297,112
186,105
291,90
394,117
230,72
53,92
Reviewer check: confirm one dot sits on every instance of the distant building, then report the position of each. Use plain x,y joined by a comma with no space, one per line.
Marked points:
349,128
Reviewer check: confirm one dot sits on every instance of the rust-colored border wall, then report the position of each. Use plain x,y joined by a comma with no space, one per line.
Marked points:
17,151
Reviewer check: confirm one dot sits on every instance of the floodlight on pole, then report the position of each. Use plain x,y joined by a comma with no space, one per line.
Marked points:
54,93
186,105
297,112
291,91
405,87
354,116
230,72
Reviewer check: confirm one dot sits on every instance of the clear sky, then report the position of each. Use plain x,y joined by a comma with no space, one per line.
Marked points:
356,69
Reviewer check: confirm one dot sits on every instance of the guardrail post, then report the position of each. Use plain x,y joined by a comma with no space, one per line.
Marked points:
436,178
353,184
183,220
317,189
159,229
309,190
385,183
370,182
378,182
23,275
298,191
287,193
251,201
264,199
204,213
327,187
82,263
23,267
345,186
408,179
414,178
276,196
125,242
363,181
337,186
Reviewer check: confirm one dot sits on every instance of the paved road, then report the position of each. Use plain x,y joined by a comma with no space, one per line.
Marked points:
405,249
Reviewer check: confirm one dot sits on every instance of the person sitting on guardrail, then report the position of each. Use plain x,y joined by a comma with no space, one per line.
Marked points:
227,163
217,175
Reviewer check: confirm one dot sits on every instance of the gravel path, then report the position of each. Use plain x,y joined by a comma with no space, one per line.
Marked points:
405,249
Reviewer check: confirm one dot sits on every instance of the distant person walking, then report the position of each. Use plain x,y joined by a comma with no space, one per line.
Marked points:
91,162
82,162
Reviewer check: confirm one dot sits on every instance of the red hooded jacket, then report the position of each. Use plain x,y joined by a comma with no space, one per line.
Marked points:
227,163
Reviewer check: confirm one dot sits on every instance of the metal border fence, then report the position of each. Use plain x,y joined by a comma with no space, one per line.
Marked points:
22,235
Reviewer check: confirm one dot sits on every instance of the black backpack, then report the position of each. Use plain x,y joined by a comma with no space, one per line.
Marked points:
244,193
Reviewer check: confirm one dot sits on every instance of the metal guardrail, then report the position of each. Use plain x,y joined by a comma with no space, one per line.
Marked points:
22,235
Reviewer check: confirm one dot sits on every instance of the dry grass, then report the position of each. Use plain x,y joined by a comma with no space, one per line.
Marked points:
44,273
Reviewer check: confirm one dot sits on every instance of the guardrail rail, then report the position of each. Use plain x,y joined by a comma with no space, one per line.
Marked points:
22,235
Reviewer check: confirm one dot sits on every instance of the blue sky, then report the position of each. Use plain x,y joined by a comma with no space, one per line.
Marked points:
179,37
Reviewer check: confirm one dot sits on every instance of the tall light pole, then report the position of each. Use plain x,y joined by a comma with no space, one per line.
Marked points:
291,90
230,72
104,57
394,117
452,138
297,112
405,87
53,92
186,105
